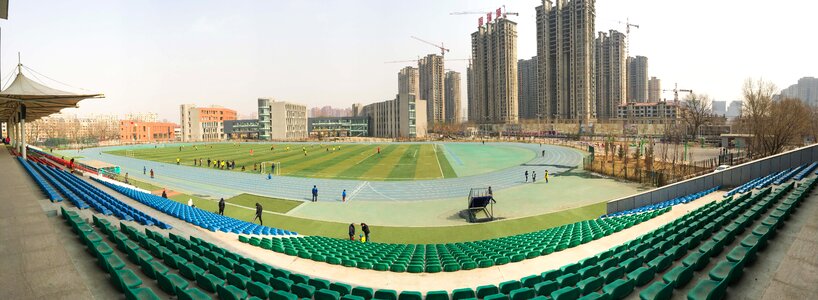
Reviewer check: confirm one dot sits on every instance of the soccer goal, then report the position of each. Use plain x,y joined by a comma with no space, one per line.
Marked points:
271,167
129,153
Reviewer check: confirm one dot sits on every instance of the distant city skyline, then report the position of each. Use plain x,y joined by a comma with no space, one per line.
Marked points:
152,56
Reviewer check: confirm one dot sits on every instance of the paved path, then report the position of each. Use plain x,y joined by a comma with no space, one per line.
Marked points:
33,260
217,183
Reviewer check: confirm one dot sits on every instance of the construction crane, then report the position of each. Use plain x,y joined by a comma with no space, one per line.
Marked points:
487,13
628,26
676,91
443,50
408,61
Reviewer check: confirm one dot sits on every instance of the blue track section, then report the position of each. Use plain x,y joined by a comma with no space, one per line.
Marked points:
218,183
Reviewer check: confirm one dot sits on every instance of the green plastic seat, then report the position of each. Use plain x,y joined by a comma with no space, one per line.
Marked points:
385,294
707,290
619,289
612,274
458,294
325,294
642,276
283,295
530,281
303,290
280,283
190,270
523,293
566,293
696,260
591,284
229,292
408,295
192,294
726,270
631,264
496,297
595,296
112,263
508,286
220,271
341,288
567,280
208,282
545,288
125,279
589,271
258,289
237,280
485,290
657,291
661,263
351,297
171,282
437,295
142,293
679,276
551,275
364,292
571,268
741,254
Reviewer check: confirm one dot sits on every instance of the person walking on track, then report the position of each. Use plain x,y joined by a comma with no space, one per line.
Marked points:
314,193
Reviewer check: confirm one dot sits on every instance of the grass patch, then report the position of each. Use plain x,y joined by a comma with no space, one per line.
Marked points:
271,204
448,171
402,235
339,161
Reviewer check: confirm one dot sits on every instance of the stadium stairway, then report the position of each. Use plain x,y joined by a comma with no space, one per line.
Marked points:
195,216
434,258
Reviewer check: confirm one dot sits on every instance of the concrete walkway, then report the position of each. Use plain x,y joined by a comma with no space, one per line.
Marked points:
217,183
34,262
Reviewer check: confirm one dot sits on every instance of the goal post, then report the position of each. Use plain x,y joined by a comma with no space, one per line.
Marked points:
271,167
129,153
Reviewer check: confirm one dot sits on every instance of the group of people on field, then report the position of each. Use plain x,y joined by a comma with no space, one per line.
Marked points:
364,237
534,176
218,164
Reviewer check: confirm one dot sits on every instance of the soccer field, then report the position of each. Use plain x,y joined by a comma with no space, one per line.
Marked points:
338,161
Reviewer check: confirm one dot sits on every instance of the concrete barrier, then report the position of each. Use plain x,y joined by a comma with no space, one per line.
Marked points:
729,178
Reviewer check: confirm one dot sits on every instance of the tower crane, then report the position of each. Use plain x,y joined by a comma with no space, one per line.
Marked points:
628,26
676,91
487,13
408,61
443,50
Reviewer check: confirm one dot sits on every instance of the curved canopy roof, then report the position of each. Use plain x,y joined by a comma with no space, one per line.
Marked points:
40,100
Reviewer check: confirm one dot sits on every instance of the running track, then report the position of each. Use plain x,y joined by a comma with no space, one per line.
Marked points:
218,183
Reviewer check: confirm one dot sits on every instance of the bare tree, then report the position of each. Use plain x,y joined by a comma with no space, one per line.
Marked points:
758,98
785,124
696,111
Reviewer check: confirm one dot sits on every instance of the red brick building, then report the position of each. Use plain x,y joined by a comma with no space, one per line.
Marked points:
146,132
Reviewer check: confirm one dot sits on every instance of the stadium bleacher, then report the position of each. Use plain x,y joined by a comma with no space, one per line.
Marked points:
663,204
196,216
450,257
53,195
715,241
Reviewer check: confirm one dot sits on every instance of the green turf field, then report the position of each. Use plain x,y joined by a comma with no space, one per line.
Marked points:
337,161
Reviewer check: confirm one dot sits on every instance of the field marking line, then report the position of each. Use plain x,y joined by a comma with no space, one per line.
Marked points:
439,168
377,192
356,190
365,158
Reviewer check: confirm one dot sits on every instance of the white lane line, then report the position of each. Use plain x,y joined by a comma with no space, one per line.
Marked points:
356,190
439,168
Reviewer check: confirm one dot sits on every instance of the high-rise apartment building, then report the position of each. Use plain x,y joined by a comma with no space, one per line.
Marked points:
403,117
528,91
654,89
432,87
204,123
565,54
611,74
452,87
281,120
734,109
638,79
806,90
719,108
493,80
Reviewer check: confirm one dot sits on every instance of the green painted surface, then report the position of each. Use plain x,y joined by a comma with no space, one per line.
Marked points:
476,158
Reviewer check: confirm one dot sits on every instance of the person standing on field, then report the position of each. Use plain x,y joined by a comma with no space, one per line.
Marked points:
352,231
365,229
533,176
546,176
344,196
221,207
526,175
259,210
314,193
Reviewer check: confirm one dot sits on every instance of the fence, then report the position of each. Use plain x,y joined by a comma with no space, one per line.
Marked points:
728,178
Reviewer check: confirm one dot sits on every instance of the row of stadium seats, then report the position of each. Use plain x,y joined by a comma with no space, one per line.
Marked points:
677,250
663,204
53,195
805,171
757,183
196,216
448,257
84,195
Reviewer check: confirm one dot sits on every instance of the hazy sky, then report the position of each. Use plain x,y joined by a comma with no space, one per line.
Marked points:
151,56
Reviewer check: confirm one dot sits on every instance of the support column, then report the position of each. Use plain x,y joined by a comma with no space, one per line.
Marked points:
23,130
